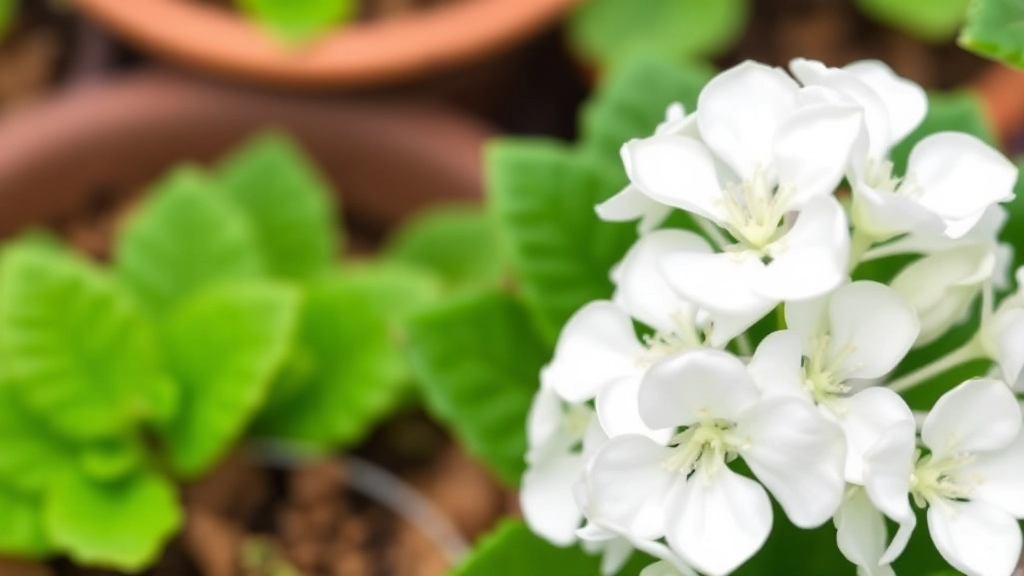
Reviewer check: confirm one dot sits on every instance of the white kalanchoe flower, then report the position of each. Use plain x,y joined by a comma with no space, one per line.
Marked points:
1002,336
931,194
764,168
971,480
714,518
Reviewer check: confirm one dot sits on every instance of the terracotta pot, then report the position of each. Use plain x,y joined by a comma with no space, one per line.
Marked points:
360,54
387,159
1002,93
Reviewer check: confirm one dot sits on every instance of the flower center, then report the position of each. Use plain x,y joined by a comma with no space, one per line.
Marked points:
880,177
754,210
664,343
825,373
707,446
576,419
935,480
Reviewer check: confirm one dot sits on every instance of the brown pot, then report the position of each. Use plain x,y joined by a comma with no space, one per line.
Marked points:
359,54
1002,93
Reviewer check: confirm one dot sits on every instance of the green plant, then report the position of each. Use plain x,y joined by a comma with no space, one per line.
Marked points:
298,21
928,20
995,29
225,314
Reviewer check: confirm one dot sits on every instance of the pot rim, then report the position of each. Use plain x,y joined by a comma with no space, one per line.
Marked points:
359,54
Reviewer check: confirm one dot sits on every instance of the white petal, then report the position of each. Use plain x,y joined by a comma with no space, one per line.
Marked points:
798,455
694,386
875,324
810,260
999,477
867,416
861,533
900,540
627,485
1010,345
718,523
616,554
905,101
597,345
719,283
676,171
739,112
975,538
619,413
642,290
543,423
725,327
808,318
882,214
632,204
777,366
976,416
547,501
888,466
960,176
812,149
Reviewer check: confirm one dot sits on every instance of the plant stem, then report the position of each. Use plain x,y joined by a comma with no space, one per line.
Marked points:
972,350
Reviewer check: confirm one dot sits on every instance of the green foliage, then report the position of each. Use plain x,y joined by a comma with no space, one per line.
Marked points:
459,244
958,111
608,31
513,550
23,534
296,21
478,359
287,202
995,29
544,194
928,20
8,10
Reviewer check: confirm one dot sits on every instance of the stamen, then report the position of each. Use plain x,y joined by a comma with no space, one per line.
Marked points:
935,480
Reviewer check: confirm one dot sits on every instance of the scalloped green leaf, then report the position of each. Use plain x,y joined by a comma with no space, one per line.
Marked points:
607,31
31,457
995,29
23,534
76,350
544,195
460,244
186,236
928,20
122,525
632,99
288,203
298,20
352,373
478,360
224,345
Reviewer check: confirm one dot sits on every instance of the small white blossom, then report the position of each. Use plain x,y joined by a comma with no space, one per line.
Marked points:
1002,336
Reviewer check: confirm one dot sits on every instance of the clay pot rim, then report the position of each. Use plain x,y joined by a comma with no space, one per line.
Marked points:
358,54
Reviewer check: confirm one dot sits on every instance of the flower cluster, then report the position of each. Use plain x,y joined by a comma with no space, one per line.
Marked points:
635,440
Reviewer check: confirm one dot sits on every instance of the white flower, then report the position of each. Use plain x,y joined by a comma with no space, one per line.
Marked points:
942,166
714,518
971,480
764,169
1002,335
861,533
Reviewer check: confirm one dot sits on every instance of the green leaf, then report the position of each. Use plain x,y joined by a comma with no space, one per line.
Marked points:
353,375
478,360
224,345
76,350
31,457
397,290
609,30
958,111
113,458
632,101
121,525
185,237
928,20
995,29
544,195
23,534
298,20
8,11
459,244
288,203
512,550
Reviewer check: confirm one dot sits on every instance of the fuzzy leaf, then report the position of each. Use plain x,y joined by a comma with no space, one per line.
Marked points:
995,29
186,236
288,203
545,195
609,30
478,360
75,349
928,20
298,20
122,525
632,101
459,244
224,345
352,376
21,517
